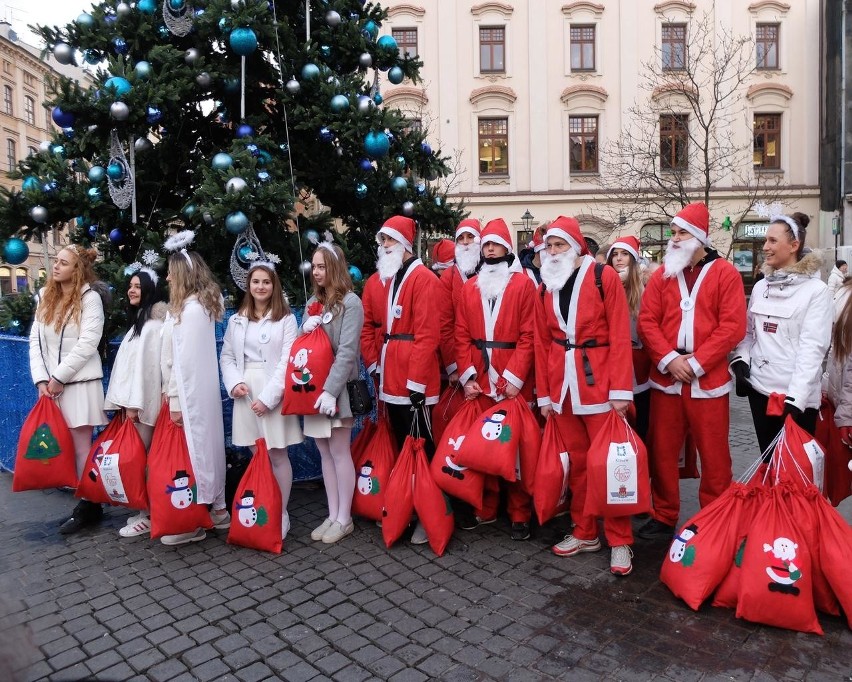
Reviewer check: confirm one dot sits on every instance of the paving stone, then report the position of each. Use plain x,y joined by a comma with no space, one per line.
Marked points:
408,675
213,669
67,657
352,673
141,662
332,663
176,645
254,673
167,671
199,654
231,643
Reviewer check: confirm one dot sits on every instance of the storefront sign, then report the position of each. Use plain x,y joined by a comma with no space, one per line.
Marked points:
753,230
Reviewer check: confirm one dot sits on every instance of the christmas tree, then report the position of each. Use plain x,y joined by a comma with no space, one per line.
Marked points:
43,445
224,116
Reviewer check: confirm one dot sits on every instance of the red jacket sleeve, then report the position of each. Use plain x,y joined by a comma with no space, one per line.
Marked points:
447,314
650,323
730,328
620,364
427,332
543,345
520,363
372,324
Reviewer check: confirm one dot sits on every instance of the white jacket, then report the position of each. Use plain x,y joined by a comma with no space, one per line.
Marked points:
788,332
835,280
281,335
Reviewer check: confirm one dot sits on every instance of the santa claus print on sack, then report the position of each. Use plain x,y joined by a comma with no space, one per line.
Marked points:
248,513
302,376
783,571
181,493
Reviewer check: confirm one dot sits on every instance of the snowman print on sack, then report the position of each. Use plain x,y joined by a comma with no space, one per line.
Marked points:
248,514
181,494
681,551
367,483
494,428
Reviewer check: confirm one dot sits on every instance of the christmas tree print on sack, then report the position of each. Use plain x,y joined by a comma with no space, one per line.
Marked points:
308,367
257,506
45,454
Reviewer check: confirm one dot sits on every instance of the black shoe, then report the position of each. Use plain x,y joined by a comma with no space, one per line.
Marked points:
520,530
85,514
469,522
655,530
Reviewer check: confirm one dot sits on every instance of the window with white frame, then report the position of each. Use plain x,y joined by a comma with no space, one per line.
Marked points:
492,49
493,146
582,48
673,47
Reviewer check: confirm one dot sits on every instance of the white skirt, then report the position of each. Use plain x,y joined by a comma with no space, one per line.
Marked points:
320,426
82,404
278,430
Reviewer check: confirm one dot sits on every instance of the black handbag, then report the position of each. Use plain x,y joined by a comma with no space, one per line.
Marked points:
360,400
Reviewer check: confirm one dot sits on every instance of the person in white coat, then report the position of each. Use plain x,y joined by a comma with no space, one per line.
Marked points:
838,384
64,359
837,276
787,333
191,377
135,383
254,357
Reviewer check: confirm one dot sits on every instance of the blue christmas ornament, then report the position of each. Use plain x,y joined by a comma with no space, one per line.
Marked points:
244,130
425,148
400,160
370,30
236,222
387,44
189,210
119,45
110,18
143,70
58,150
360,190
244,251
222,161
165,34
263,176
326,135
80,221
31,184
68,132
115,172
355,273
253,149
61,118
399,184
243,41
93,231
391,137
224,24
310,72
153,114
147,6
86,20
118,85
94,194
15,251
91,56
96,174
177,5
50,187
366,165
376,144
116,236
396,75
232,87
377,98
325,51
421,188
339,103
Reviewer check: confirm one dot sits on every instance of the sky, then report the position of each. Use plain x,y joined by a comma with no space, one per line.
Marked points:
19,13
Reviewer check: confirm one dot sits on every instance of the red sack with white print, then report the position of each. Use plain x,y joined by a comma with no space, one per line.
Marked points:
550,484
90,487
45,456
798,457
399,498
308,367
431,503
491,445
373,470
360,442
837,485
256,516
529,447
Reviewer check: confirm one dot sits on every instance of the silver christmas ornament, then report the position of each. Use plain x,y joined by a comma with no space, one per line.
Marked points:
142,144
365,104
122,9
305,268
408,209
365,60
119,111
235,185
191,56
293,86
39,214
207,217
235,4
44,147
64,53
332,18
203,80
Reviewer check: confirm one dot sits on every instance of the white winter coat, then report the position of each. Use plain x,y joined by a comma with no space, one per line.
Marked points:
135,381
838,378
788,332
281,336
835,280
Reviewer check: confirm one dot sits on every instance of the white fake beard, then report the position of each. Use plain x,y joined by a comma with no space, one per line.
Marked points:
467,257
390,261
679,255
493,279
557,268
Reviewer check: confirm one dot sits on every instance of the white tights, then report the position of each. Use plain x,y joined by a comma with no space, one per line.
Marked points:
338,473
82,437
283,471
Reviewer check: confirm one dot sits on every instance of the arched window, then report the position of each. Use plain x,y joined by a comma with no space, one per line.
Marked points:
11,155
21,280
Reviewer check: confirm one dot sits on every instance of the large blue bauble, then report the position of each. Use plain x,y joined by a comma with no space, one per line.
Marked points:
92,230
119,45
326,135
387,44
222,161
86,20
118,85
244,252
189,210
58,150
15,251
370,30
96,174
153,114
339,103
244,130
94,194
91,56
115,171
232,85
116,236
310,72
224,24
399,184
376,144
31,184
426,148
147,6
236,222
396,75
377,98
243,41
366,165
143,69
355,273
263,157
177,5
63,119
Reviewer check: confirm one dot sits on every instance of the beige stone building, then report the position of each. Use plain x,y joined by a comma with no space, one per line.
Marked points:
531,97
24,124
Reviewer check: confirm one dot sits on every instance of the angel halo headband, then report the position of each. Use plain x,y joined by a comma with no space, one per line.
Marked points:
794,226
177,243
133,268
328,246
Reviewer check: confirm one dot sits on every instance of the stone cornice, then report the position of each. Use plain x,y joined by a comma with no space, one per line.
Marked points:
583,5
674,88
674,5
496,91
573,91
499,7
769,89
777,5
407,92
414,10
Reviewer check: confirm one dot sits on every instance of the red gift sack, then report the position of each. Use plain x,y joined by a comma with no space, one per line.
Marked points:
373,469
798,457
491,444
360,442
617,479
835,553
256,513
451,401
171,482
529,447
308,367
776,584
115,472
550,484
838,478
701,553
399,498
45,456
432,505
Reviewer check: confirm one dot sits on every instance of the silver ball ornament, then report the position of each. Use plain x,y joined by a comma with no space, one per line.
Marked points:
191,56
365,60
293,86
207,217
305,268
122,9
203,80
142,144
235,185
235,4
332,18
119,111
64,53
408,209
39,214
365,104
44,147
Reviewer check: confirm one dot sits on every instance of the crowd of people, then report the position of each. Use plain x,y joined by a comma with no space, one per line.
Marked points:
553,326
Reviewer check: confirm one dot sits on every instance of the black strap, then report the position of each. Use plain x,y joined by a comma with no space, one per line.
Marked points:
599,267
483,345
587,366
399,337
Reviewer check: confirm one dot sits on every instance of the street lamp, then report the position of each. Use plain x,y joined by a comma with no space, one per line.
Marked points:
527,219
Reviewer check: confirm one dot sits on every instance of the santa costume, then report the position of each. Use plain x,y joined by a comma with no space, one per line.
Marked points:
527,258
699,313
374,298
443,255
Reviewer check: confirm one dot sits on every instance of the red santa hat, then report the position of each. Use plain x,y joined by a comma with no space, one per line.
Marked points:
443,254
498,232
538,241
629,244
569,230
469,226
695,219
401,229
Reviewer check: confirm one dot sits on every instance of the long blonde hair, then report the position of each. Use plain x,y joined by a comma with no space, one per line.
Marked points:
187,280
633,284
279,307
58,307
338,280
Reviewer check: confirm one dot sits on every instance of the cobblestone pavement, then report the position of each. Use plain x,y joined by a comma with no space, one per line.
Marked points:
99,608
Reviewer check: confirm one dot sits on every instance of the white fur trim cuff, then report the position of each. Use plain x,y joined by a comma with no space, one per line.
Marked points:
414,386
667,358
469,373
544,402
453,367
621,395
512,379
697,368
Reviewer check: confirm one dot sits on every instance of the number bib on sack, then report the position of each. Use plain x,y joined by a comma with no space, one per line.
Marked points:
112,478
622,485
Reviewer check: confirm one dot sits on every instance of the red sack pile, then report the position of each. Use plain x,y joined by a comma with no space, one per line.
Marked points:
838,478
171,482
800,458
45,456
256,513
116,468
362,440
456,480
308,367
550,487
618,482
451,401
373,466
399,496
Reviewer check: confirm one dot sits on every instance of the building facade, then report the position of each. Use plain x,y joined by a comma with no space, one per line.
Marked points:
531,98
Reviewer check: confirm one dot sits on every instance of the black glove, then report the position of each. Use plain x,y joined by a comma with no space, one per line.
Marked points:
742,373
792,410
417,399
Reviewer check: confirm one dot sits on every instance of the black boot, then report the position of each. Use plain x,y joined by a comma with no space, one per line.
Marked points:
85,514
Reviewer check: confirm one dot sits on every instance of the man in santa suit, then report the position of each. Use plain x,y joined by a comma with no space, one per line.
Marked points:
494,349
693,314
467,255
443,255
531,256
583,370
374,298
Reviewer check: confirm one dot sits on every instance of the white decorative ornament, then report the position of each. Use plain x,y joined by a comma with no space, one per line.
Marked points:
252,256
179,241
121,190
273,258
179,22
150,257
239,272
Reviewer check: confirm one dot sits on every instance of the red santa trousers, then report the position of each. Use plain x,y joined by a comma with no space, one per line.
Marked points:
672,417
578,432
518,501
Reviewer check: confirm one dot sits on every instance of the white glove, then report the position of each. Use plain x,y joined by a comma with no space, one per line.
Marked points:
326,404
311,323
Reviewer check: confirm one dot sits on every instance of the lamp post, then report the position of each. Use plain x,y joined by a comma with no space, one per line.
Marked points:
527,219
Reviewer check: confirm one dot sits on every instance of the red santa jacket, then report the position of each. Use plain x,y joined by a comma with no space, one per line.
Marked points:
452,280
374,298
587,357
509,323
708,322
411,334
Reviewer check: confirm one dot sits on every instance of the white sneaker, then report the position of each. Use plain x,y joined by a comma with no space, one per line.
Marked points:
319,531
337,531
136,526
221,519
571,546
285,524
184,538
419,537
620,561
